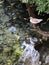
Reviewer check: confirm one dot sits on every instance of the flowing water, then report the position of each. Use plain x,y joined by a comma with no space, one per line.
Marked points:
15,34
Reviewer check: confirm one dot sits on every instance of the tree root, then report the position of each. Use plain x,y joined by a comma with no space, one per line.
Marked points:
39,31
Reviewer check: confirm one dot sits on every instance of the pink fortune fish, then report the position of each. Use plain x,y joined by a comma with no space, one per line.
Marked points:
35,20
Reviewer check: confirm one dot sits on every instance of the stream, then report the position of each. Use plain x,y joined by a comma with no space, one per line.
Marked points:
19,43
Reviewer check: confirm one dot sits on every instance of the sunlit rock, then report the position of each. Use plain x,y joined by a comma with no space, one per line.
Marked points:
30,56
47,59
12,29
35,39
17,37
32,40
24,44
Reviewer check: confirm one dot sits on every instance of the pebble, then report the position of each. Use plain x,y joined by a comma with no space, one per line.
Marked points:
24,44
5,18
12,29
47,59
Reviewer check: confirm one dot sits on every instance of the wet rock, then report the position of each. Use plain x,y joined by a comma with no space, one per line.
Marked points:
1,11
21,63
5,18
1,32
1,49
1,41
8,24
1,60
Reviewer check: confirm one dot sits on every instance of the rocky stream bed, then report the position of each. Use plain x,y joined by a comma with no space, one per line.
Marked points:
16,33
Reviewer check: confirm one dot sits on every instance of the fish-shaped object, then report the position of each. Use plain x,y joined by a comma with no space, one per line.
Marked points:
35,20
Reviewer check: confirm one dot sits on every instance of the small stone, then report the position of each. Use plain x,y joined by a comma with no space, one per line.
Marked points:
5,18
1,41
12,29
44,38
47,59
39,62
1,48
40,40
35,39
31,41
24,44
1,11
17,37
1,32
